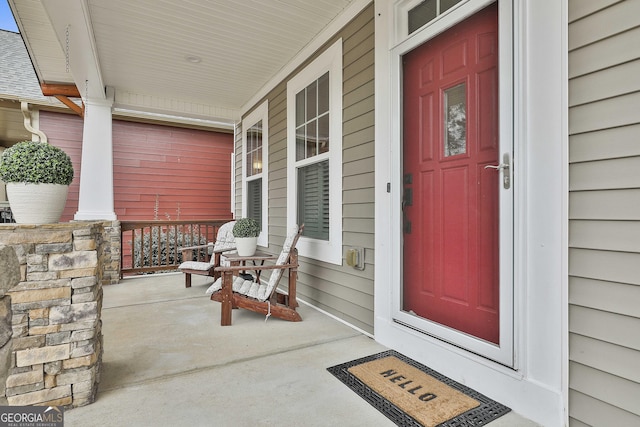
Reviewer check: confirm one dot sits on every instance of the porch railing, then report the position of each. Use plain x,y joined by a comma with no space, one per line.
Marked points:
6,215
151,246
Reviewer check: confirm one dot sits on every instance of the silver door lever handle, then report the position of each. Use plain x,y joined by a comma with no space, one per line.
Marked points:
500,167
504,167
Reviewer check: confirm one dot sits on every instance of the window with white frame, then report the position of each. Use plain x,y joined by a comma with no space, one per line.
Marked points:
412,15
314,155
426,11
255,142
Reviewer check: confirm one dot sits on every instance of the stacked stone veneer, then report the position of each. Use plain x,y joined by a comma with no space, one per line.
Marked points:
111,253
56,350
9,277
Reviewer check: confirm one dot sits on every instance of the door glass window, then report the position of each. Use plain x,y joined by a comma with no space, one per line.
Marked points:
427,11
447,4
422,13
455,120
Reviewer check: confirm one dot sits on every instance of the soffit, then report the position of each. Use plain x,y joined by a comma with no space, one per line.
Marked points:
143,48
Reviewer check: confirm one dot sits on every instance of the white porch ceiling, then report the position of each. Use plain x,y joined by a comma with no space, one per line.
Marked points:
142,48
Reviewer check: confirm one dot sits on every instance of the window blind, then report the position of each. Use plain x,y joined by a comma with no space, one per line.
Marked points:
313,200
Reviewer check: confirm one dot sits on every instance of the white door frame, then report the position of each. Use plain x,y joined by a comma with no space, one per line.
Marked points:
536,384
502,353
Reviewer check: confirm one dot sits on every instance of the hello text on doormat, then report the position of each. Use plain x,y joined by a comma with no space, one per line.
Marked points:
410,394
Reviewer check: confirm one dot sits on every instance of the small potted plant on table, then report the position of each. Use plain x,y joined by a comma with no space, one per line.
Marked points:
37,175
245,232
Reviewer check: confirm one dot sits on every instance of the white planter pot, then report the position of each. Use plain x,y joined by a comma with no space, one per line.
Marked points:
246,246
36,203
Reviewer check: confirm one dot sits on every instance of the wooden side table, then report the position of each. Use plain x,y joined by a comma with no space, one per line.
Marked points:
259,256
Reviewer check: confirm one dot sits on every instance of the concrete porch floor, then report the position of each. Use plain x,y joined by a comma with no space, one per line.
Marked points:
168,362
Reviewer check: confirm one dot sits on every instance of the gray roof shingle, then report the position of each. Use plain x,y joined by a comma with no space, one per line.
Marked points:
17,76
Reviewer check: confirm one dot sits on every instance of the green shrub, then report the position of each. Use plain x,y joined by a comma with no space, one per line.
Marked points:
246,227
36,162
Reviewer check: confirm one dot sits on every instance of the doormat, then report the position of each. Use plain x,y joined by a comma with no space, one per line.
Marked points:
411,394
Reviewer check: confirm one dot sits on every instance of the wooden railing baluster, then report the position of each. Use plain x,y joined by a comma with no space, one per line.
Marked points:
134,249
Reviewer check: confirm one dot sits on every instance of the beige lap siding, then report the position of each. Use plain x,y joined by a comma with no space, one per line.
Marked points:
604,210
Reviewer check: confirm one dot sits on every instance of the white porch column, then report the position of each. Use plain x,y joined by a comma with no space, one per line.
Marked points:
96,174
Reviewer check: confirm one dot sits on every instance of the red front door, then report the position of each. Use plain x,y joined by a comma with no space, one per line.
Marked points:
450,201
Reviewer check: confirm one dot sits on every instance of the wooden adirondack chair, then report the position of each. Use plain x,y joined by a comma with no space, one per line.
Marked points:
225,242
233,291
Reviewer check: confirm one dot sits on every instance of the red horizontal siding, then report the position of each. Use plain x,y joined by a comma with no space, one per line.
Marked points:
185,173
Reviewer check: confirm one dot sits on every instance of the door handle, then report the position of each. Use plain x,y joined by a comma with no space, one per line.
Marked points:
505,167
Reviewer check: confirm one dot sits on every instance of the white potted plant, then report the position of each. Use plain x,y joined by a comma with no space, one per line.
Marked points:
37,175
245,232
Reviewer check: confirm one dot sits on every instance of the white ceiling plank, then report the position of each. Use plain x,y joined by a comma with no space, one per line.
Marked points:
141,47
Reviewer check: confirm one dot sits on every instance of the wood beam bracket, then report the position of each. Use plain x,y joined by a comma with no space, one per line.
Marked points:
62,92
